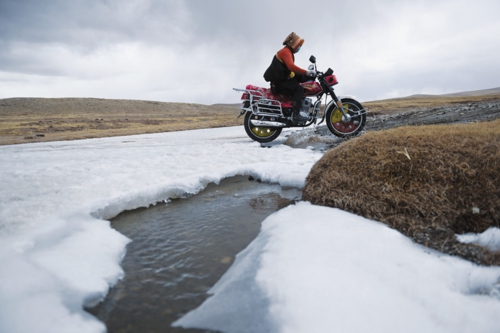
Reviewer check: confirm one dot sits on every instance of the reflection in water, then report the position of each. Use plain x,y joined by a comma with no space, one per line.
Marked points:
182,248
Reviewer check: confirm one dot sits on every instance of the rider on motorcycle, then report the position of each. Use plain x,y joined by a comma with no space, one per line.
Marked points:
285,76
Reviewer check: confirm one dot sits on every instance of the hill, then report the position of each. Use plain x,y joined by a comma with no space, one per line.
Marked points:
484,92
50,119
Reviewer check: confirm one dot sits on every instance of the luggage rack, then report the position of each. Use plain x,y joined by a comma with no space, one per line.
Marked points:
259,104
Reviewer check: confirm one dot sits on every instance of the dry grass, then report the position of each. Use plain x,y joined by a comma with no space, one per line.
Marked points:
53,119
428,182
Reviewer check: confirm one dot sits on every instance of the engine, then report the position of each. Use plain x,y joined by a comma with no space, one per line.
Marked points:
306,104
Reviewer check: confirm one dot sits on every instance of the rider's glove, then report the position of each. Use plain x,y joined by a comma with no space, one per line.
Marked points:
311,73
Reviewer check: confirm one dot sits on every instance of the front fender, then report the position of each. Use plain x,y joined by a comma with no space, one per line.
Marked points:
347,96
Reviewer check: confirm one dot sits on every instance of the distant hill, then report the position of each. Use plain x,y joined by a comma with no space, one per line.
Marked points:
422,101
484,92
55,119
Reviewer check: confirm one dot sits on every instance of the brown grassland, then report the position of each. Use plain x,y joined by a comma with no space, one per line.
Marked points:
428,182
26,120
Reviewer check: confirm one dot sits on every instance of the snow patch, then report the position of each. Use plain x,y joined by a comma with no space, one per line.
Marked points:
318,269
489,239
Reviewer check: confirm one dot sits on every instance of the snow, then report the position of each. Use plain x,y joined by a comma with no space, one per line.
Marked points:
320,269
311,269
490,239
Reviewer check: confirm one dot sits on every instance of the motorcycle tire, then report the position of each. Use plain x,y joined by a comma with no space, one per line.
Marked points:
258,133
341,128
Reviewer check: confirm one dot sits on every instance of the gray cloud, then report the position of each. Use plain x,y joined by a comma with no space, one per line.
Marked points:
197,50
90,23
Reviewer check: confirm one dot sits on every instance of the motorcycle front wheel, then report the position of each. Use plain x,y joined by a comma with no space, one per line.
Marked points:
258,133
342,127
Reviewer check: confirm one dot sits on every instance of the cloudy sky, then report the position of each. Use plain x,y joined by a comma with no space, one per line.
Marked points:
196,51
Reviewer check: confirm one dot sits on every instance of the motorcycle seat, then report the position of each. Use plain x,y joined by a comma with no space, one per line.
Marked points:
267,94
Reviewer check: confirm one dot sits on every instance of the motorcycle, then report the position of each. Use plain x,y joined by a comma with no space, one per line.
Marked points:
266,113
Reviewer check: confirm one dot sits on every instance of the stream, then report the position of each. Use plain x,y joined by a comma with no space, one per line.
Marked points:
181,248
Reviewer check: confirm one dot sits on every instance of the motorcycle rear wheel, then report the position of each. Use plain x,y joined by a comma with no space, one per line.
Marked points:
338,125
258,133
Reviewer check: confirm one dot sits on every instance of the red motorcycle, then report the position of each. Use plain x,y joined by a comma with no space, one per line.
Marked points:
267,113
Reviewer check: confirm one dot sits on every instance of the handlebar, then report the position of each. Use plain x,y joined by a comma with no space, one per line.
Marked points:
329,71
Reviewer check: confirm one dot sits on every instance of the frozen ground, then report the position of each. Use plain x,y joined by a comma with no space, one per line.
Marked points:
311,269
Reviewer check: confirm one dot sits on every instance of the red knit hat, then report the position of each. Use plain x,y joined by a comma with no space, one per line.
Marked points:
294,41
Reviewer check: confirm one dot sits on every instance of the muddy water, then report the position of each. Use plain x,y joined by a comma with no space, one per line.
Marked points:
182,248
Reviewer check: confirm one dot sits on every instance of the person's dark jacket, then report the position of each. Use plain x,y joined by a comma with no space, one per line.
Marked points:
283,67
277,71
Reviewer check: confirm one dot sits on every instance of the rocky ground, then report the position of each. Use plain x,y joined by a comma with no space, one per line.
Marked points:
456,113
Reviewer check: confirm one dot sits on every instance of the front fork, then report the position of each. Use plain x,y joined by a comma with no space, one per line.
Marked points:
338,102
346,117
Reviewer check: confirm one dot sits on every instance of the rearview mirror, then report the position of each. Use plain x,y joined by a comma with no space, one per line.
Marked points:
312,59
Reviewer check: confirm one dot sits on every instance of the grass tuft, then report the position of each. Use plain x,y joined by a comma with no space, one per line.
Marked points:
428,182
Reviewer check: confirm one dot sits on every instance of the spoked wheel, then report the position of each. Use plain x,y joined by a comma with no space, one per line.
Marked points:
258,133
342,126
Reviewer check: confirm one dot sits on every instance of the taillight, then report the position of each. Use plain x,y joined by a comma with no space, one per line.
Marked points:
244,96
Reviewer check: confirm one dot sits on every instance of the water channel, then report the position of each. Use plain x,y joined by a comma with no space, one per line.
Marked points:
181,248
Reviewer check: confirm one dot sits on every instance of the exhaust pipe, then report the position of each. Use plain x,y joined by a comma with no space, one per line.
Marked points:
267,123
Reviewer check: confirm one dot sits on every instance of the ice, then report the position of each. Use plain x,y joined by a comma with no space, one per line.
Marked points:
311,269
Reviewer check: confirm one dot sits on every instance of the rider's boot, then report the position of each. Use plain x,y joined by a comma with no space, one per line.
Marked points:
299,116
